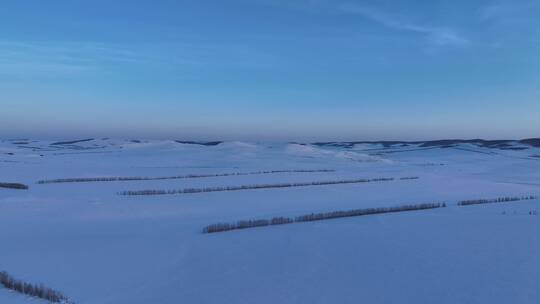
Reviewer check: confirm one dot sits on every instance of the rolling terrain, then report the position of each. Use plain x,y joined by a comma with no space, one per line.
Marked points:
74,230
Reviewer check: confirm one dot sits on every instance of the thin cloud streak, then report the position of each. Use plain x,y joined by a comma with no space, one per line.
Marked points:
438,36
68,56
84,52
26,58
509,10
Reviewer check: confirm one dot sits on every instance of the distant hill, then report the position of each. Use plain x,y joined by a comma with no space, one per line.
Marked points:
202,143
71,142
497,144
535,142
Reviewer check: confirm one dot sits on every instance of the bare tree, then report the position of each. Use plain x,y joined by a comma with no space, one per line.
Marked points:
33,290
496,200
139,178
222,227
250,187
14,186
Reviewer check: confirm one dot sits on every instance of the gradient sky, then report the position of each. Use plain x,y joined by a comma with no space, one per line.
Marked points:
270,69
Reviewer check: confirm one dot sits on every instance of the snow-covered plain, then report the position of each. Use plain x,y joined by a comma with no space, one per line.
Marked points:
99,247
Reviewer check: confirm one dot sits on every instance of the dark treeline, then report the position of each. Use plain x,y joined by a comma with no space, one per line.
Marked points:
71,142
33,290
222,227
14,186
496,200
139,178
250,187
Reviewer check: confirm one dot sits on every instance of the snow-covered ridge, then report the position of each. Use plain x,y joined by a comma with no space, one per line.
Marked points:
108,143
496,144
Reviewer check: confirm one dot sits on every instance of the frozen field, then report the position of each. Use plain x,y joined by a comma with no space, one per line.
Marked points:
99,247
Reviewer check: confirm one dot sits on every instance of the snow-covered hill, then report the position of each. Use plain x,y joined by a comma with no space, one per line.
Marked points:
100,247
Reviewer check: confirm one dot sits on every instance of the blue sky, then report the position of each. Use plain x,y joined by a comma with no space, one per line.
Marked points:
270,69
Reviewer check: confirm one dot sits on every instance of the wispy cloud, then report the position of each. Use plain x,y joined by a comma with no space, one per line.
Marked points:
42,58
516,23
510,10
21,69
438,36
51,58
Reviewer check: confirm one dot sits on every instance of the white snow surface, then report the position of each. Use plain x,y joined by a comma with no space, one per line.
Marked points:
98,247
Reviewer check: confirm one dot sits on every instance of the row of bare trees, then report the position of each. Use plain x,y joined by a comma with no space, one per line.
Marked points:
33,290
222,227
14,186
409,177
250,187
496,200
142,178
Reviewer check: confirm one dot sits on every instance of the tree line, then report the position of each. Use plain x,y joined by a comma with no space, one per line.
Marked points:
496,200
33,290
140,178
244,224
14,186
251,187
